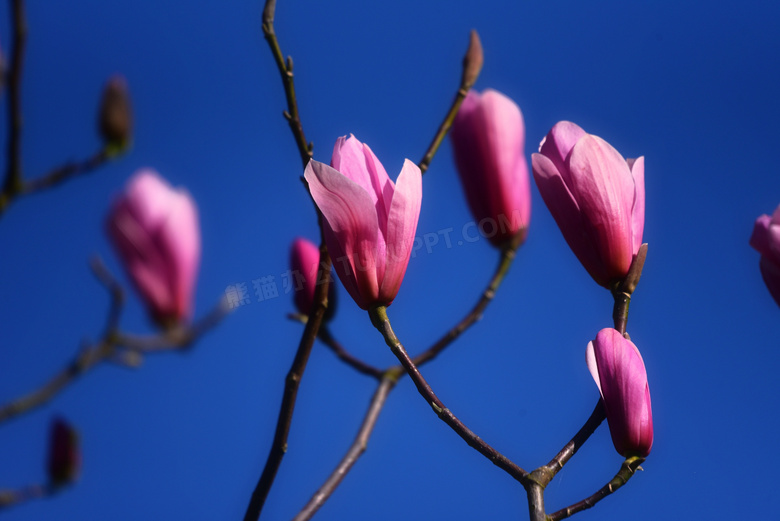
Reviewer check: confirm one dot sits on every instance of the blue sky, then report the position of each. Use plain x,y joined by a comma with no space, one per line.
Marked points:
693,90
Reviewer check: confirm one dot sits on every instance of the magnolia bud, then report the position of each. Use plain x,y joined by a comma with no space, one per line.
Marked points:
115,117
64,453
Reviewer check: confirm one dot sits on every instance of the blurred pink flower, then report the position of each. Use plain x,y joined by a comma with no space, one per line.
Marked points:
369,221
488,136
64,461
619,372
766,240
596,197
156,233
304,263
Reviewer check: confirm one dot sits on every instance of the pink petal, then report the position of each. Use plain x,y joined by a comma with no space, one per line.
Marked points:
304,262
602,184
352,219
566,212
401,227
590,359
622,380
558,143
770,272
488,138
637,167
156,230
179,236
505,139
760,239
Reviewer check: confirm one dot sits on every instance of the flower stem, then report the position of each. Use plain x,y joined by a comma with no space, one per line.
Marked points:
472,64
627,470
382,323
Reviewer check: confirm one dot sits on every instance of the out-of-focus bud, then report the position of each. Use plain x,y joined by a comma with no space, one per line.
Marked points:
619,372
64,461
156,233
472,61
488,136
304,263
596,197
115,116
369,220
766,240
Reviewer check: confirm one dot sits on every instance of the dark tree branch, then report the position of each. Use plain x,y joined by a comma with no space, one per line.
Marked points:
13,172
286,71
346,357
292,382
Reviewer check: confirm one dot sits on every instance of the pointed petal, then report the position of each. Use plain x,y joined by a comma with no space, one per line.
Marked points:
401,227
759,240
179,238
351,214
590,359
637,167
566,212
602,184
558,143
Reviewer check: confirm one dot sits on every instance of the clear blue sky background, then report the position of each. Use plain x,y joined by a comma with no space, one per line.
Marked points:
692,88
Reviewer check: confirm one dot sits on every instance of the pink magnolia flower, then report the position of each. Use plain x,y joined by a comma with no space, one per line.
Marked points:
156,233
304,263
64,453
766,240
619,372
369,221
488,136
596,197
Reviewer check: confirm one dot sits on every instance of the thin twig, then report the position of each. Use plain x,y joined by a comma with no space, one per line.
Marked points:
627,470
10,498
570,449
13,174
346,357
294,376
176,338
358,447
472,64
85,360
382,323
66,172
292,382
108,347
286,71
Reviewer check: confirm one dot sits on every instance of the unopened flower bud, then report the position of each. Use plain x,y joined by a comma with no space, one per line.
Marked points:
766,240
64,453
619,372
115,117
488,135
304,263
156,232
